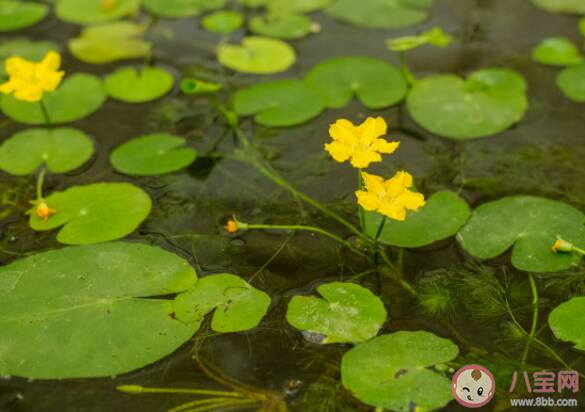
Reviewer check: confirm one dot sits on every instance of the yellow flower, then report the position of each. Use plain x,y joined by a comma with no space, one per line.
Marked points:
43,210
361,144
108,5
29,80
231,226
389,197
562,245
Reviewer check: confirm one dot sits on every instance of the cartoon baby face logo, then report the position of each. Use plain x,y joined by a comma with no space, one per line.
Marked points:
473,386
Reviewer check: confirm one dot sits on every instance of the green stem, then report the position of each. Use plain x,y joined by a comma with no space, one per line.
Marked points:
137,389
361,211
306,228
209,402
221,405
45,113
397,274
40,181
410,79
532,333
380,228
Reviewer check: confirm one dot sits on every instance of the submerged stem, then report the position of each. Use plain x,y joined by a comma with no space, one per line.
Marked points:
137,389
40,181
532,333
410,79
45,113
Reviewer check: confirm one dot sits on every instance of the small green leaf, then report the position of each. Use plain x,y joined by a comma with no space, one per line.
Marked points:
529,225
562,6
95,11
296,7
25,48
154,154
435,37
571,81
110,42
442,216
347,313
95,213
181,9
132,86
236,305
380,14
376,83
282,26
15,15
77,97
62,150
223,22
557,51
567,322
488,102
257,55
391,372
195,86
278,103
96,309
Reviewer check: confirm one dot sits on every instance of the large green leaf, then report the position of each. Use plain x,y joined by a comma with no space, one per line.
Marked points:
567,322
279,103
154,154
180,9
25,48
282,26
89,311
77,97
571,81
62,150
442,216
110,42
376,83
132,86
562,6
295,7
223,21
530,225
488,102
16,15
236,305
95,11
95,213
347,313
382,14
557,51
392,371
257,55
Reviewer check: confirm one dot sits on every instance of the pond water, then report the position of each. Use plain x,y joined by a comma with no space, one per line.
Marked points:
541,156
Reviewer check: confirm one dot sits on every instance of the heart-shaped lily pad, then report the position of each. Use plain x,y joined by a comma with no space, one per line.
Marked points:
25,48
181,9
567,322
346,313
391,372
528,224
562,6
571,81
282,26
77,97
62,150
154,154
380,14
376,83
488,102
133,86
279,103
557,51
257,55
442,216
110,42
236,305
223,21
16,15
95,213
95,11
93,309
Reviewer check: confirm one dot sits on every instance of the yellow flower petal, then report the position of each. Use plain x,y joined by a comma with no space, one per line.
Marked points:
382,146
51,62
344,131
368,201
373,183
393,211
338,151
397,184
372,128
362,159
411,200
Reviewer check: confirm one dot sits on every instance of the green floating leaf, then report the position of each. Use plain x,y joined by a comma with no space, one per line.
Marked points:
181,9
257,55
528,224
196,86
392,371
155,154
278,103
89,311
237,306
567,322
380,14
347,313
557,51
26,49
296,6
110,42
376,83
77,97
62,150
443,215
223,22
435,37
15,15
571,81
562,6
95,213
132,86
282,26
95,11
488,102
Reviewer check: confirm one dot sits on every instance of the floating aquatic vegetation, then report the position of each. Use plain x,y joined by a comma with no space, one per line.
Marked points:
282,26
138,86
223,21
380,14
26,49
181,9
561,6
347,312
257,55
15,15
95,11
566,322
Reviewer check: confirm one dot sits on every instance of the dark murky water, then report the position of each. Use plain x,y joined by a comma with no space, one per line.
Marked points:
541,156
